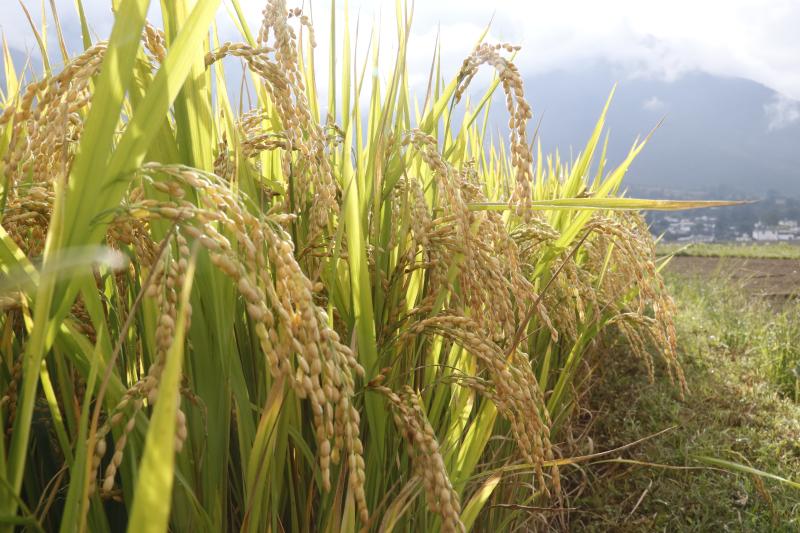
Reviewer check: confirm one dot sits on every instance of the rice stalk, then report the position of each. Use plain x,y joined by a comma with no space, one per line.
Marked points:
338,271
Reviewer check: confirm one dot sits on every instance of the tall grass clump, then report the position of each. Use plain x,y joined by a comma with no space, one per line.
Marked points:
726,317
271,321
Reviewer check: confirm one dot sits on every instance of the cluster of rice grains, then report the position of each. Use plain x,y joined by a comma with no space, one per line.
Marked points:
293,331
46,124
303,140
168,275
645,317
490,275
518,108
487,297
511,386
423,448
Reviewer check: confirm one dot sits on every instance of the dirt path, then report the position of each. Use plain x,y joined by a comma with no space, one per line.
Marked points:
777,279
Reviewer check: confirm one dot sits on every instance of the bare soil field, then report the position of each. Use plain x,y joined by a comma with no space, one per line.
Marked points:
777,279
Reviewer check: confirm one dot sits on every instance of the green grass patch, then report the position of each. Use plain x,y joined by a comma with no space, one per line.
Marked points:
754,330
737,409
779,250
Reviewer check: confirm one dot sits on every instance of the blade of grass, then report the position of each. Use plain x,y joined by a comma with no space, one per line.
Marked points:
745,469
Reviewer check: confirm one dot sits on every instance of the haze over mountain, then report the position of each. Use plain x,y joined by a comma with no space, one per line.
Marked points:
719,135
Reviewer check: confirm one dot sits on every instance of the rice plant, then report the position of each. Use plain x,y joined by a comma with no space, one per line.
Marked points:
272,321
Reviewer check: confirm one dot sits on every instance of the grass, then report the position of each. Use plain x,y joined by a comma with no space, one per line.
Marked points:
735,410
268,321
746,250
752,329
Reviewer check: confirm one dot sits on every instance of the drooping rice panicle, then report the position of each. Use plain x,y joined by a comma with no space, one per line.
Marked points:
317,254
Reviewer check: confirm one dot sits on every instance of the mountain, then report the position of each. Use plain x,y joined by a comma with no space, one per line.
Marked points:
715,138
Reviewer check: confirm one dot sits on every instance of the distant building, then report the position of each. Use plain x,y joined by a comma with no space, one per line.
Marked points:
764,233
699,229
770,219
784,230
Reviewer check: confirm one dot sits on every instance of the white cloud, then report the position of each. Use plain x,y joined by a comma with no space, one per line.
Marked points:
743,38
751,39
782,112
654,103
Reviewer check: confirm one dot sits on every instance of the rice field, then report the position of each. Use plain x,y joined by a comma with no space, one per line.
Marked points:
302,316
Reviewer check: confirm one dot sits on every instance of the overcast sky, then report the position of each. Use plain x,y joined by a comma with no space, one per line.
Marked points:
753,39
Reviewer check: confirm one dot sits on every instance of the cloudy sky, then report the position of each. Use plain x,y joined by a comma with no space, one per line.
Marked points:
698,62
753,39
